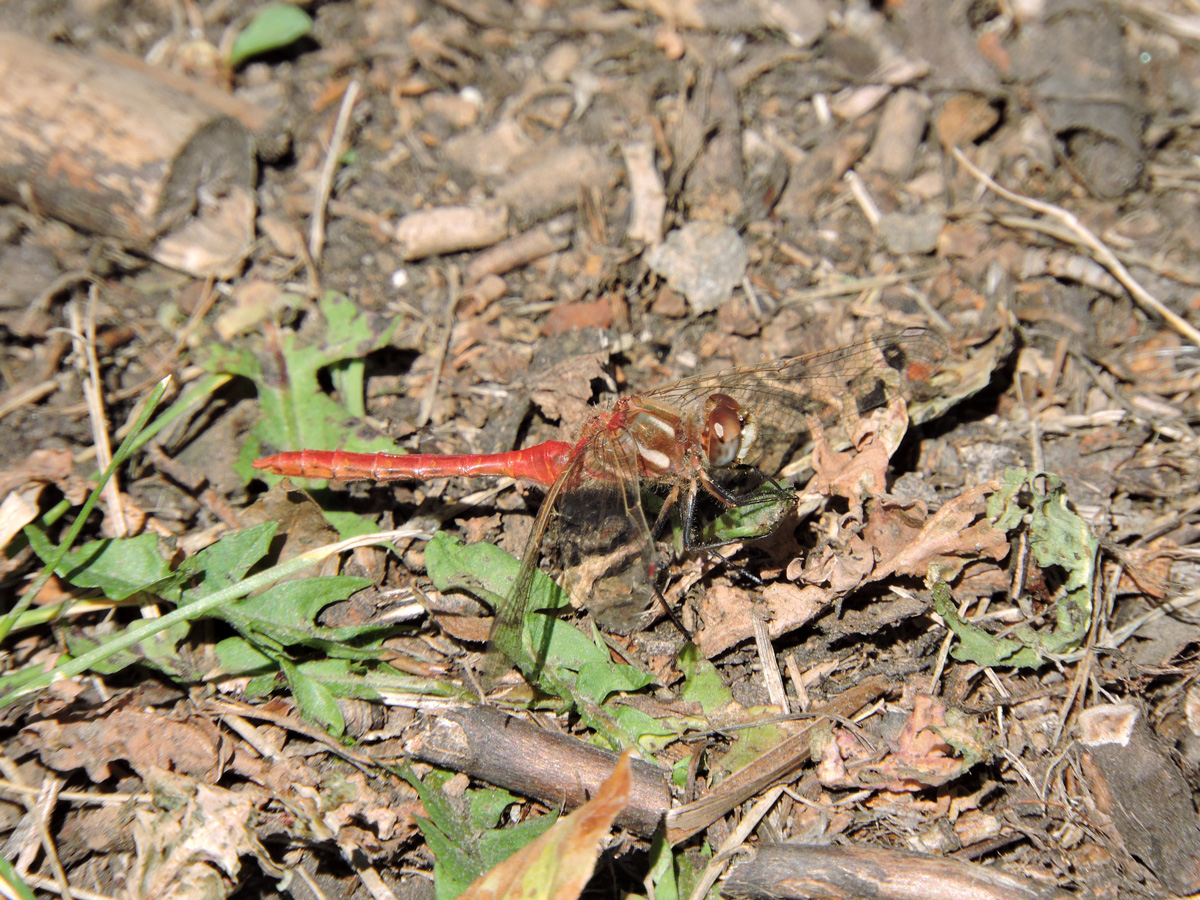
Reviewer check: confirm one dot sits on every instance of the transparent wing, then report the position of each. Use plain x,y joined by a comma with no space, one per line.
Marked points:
831,387
593,516
607,553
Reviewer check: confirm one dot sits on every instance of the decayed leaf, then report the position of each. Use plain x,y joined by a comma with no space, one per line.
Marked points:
956,534
559,863
189,846
936,745
1057,537
726,612
864,471
146,741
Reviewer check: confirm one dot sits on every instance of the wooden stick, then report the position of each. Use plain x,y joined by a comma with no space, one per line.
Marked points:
557,769
114,151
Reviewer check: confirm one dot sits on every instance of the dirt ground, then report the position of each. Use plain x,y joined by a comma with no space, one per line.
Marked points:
965,659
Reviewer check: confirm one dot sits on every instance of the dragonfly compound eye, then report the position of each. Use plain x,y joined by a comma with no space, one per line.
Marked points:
723,431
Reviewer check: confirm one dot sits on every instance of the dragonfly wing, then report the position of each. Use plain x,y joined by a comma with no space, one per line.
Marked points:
832,388
606,551
592,515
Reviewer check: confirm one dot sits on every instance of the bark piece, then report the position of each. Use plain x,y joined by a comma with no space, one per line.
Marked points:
901,127
704,261
448,229
552,180
521,249
557,769
115,151
1137,784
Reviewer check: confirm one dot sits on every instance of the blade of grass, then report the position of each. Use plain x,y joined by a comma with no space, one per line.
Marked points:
123,453
148,627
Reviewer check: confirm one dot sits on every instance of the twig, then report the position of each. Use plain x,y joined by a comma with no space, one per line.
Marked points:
770,667
49,884
734,843
316,232
11,402
83,334
453,294
44,812
1098,248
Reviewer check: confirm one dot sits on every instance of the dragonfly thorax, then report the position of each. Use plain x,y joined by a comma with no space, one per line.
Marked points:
729,431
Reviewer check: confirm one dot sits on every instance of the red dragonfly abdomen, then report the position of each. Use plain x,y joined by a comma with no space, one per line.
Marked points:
541,464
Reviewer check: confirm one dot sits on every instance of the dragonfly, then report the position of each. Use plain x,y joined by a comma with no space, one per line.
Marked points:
679,441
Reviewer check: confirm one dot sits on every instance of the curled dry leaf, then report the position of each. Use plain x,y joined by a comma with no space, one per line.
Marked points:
936,745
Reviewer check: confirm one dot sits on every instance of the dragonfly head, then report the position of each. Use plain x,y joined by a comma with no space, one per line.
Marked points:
729,431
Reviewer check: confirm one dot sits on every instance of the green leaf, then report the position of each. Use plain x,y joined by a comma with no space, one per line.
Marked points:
488,572
341,677
297,414
702,683
239,657
1058,538
499,844
291,608
17,887
649,734
975,644
487,806
662,868
315,701
272,27
119,567
225,563
599,679
160,650
456,832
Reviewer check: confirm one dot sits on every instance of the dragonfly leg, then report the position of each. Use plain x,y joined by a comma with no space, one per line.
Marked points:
731,500
664,513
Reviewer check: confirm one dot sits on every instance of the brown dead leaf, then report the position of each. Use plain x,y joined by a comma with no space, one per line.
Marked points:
39,467
727,613
478,528
932,749
145,740
300,522
957,534
842,567
863,471
581,314
558,864
963,118
17,510
568,392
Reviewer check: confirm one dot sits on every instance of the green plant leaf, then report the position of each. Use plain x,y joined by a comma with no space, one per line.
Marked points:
702,683
464,847
1058,539
597,680
488,572
118,567
9,876
272,27
297,414
315,700
239,657
226,562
